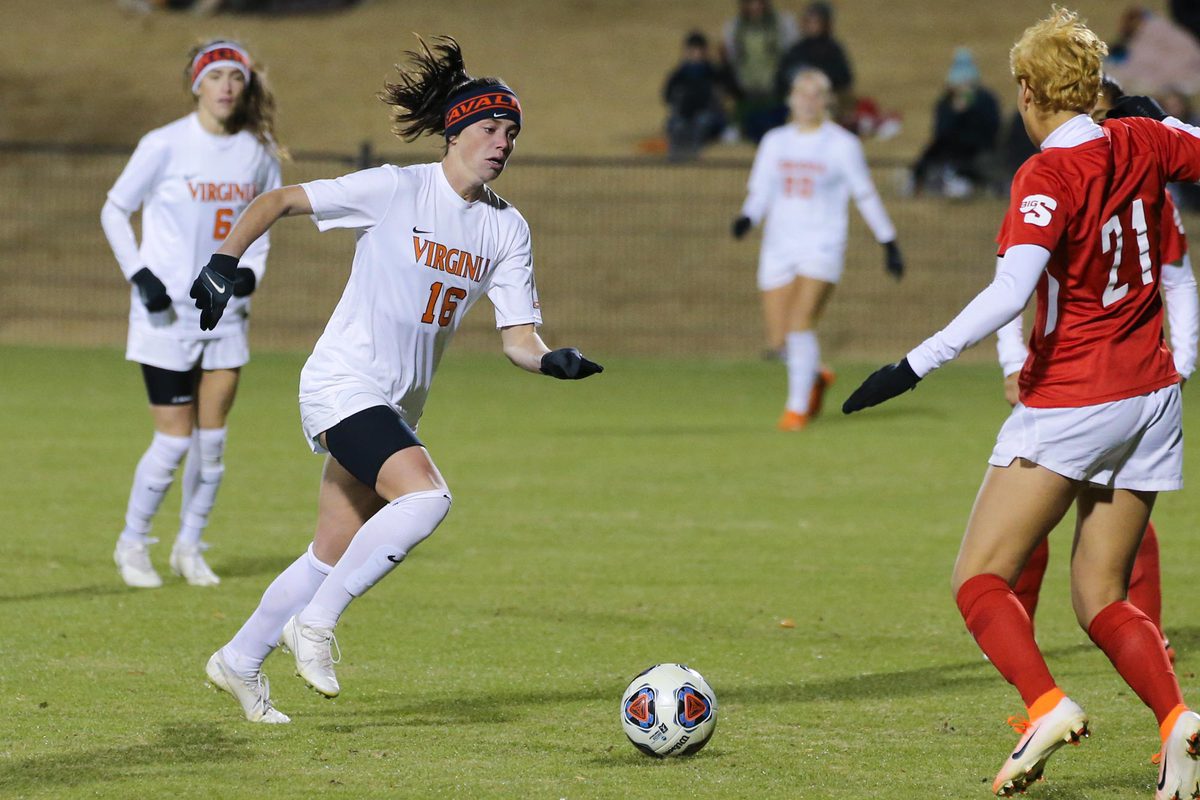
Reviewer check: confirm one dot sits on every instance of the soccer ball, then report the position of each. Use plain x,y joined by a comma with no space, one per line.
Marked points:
669,710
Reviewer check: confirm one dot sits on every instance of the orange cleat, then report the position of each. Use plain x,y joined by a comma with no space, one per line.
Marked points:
791,421
825,379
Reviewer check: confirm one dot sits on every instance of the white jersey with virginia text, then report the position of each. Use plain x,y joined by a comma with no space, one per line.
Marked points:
423,256
191,186
800,185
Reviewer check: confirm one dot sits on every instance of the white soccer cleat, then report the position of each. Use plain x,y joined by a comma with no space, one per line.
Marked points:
1066,723
133,562
1178,768
313,650
253,692
187,561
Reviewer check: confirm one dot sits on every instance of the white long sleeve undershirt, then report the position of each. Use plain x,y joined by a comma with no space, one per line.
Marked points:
1017,274
119,232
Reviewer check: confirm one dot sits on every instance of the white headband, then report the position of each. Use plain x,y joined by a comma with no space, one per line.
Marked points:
219,54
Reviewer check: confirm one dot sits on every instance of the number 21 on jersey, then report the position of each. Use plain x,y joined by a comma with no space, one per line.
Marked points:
1111,239
450,300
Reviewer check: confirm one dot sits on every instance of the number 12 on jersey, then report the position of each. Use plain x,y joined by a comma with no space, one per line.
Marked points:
450,301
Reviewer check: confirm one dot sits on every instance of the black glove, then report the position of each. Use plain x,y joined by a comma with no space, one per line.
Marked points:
1136,106
740,226
244,282
882,384
212,289
151,290
568,364
893,262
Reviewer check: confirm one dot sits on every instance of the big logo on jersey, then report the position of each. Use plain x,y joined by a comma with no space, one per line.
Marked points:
1038,209
450,260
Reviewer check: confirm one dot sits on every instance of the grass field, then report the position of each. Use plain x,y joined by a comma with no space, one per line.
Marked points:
650,514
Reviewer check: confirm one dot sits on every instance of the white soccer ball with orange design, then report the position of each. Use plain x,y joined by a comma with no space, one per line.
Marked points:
669,710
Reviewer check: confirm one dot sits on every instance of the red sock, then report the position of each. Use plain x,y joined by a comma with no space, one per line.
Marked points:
1145,584
1000,625
1029,582
1134,646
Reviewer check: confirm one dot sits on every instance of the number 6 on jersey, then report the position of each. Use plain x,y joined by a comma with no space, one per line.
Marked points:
449,304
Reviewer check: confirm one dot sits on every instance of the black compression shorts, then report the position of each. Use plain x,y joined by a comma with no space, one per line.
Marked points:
362,442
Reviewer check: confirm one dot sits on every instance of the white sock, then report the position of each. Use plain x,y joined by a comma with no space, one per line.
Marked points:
153,477
191,471
284,598
198,502
803,361
379,545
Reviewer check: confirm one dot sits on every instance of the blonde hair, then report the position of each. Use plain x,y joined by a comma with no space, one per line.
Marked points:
1059,60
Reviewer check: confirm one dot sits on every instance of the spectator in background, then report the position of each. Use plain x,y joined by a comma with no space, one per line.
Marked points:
818,49
752,44
1153,55
966,121
696,117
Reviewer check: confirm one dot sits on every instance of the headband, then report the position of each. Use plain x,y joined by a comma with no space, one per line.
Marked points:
481,102
219,54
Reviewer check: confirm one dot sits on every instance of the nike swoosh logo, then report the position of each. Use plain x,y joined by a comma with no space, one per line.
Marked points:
1162,776
395,560
1021,752
419,231
220,289
498,114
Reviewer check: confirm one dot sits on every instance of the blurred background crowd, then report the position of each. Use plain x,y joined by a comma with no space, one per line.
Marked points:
732,87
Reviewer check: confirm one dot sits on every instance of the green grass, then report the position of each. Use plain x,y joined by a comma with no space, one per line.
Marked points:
650,514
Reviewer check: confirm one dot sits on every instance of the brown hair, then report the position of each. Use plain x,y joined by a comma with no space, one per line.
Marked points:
419,96
255,111
1059,59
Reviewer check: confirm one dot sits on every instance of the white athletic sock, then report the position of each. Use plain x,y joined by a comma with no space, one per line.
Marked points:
283,599
153,477
803,361
198,503
379,545
190,478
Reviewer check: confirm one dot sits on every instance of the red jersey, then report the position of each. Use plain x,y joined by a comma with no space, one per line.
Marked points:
1098,208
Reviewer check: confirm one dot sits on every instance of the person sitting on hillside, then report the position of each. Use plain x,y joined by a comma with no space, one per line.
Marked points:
966,121
751,46
691,93
817,48
1153,55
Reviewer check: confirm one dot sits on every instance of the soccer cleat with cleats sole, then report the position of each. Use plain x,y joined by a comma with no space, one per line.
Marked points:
1066,723
1179,761
792,421
253,693
816,398
187,561
133,562
313,650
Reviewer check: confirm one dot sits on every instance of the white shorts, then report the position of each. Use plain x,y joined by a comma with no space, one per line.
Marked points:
775,272
320,411
1135,443
165,351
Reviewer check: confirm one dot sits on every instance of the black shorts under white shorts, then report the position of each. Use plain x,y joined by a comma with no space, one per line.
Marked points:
166,387
362,442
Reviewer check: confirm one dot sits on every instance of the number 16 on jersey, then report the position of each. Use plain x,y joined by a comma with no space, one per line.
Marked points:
450,300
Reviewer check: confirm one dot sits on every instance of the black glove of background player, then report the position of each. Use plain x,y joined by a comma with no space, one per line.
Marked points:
740,227
893,262
882,384
568,364
1136,106
151,290
212,289
244,282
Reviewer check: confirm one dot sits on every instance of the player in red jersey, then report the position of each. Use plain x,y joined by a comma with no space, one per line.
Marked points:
1183,312
1099,423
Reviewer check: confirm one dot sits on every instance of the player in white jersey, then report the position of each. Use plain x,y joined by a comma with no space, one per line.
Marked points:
803,176
431,240
191,179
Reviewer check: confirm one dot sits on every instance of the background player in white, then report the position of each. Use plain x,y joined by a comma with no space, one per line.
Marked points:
803,176
431,240
191,179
